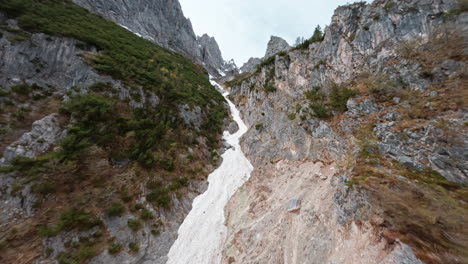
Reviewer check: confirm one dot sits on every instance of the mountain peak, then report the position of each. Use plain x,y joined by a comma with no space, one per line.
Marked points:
275,45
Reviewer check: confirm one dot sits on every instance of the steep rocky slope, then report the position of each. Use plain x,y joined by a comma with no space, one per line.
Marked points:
105,137
163,22
359,142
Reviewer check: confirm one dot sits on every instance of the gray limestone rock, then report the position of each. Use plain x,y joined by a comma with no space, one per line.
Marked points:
46,61
250,65
233,127
44,134
275,45
293,205
192,115
365,107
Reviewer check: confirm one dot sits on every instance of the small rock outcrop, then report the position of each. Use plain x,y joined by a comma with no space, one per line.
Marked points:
44,134
275,45
233,127
250,65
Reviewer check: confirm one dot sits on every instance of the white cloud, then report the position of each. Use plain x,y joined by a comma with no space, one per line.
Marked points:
242,28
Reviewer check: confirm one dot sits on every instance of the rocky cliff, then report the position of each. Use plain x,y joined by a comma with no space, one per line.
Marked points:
358,142
105,137
163,22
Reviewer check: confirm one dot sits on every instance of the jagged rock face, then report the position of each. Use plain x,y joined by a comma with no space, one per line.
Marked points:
53,62
250,65
211,57
45,60
163,22
362,39
275,45
291,219
338,58
210,52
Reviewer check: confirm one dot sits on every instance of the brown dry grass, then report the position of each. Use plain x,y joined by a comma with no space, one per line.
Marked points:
420,208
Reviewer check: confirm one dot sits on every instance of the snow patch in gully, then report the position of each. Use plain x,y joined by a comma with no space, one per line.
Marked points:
203,232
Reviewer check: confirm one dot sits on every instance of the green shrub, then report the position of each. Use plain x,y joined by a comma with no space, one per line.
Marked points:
115,210
77,218
315,94
152,185
160,197
146,215
258,126
114,248
4,92
167,165
270,88
100,87
134,225
125,196
19,36
138,206
181,182
84,253
339,97
44,187
292,116
133,247
21,89
319,110
265,63
389,5
48,231
320,63
69,220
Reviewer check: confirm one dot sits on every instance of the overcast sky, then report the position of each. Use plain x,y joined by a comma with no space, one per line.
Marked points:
242,28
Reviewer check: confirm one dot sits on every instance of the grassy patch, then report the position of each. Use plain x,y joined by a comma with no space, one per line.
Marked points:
21,89
389,5
80,251
133,247
146,215
320,110
44,187
71,219
115,210
114,248
134,225
270,88
339,96
322,105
